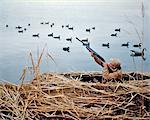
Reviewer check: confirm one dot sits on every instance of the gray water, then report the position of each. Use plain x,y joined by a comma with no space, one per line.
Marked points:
104,16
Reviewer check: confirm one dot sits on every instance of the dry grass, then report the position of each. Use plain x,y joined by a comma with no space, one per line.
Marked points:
51,96
55,96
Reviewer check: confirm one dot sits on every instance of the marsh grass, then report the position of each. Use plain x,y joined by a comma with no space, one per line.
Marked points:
55,96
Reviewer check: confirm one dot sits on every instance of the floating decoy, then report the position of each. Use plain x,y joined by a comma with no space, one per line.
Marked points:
85,40
36,35
25,29
105,45
18,27
62,26
137,53
69,39
118,30
125,44
42,23
52,23
67,26
57,37
114,34
20,31
50,35
28,24
137,45
70,28
66,49
84,43
88,30
6,25
47,23
93,28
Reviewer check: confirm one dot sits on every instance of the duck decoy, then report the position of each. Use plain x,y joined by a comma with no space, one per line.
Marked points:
52,23
36,35
20,31
50,35
137,53
18,27
137,45
93,28
47,23
29,24
42,23
114,34
88,30
6,25
67,26
105,45
69,39
70,28
25,29
57,37
85,40
117,30
66,49
126,44
84,43
62,26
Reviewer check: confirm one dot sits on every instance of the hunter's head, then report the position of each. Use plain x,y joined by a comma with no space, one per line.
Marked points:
115,64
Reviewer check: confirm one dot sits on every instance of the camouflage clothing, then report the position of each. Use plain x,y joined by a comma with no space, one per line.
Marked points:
110,74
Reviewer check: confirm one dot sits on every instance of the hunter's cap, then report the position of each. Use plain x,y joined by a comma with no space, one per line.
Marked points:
115,62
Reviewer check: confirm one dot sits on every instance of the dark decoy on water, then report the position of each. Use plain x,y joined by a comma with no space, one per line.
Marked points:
85,40
67,26
88,30
126,44
29,24
52,23
66,49
70,28
36,35
105,45
117,30
93,28
69,39
85,43
47,23
20,31
57,37
62,26
18,27
6,25
137,53
42,23
114,34
50,35
137,45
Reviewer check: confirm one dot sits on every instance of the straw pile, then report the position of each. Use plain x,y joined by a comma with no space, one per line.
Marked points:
53,96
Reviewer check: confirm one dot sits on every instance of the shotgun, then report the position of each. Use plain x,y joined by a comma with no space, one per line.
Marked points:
90,49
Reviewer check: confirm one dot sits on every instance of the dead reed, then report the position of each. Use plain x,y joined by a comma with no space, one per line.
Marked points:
57,96
53,96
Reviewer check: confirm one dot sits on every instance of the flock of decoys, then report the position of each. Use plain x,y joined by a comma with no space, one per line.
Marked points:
37,35
85,41
134,53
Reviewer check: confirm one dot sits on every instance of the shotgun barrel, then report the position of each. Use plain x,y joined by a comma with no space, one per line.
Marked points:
90,49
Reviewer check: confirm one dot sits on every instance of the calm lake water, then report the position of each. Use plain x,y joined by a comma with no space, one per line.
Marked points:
104,16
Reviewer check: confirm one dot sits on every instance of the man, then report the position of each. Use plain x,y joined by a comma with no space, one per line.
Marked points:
111,71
